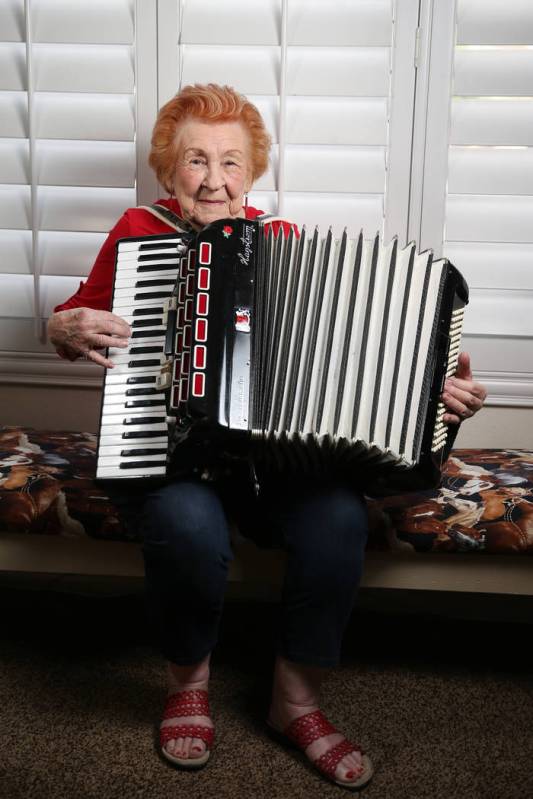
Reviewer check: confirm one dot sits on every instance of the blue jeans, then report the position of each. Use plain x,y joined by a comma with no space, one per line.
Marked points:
186,548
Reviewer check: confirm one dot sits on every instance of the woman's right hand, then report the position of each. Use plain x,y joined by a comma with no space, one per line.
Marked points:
80,332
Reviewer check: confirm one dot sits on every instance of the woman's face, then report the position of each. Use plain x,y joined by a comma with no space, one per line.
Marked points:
212,171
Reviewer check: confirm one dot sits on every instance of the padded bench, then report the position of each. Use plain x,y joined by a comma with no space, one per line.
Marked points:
473,534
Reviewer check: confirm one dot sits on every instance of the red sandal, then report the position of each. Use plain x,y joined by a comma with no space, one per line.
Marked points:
180,704
308,728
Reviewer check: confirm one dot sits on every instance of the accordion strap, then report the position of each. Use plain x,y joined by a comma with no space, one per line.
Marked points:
167,216
170,218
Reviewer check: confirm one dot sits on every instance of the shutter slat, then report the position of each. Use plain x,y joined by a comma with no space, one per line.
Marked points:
239,22
83,68
231,22
97,21
494,22
503,313
504,355
12,20
479,218
337,120
15,252
506,121
69,163
14,161
13,114
82,208
16,296
12,67
15,207
60,253
334,71
69,253
69,116
335,169
345,23
337,71
493,71
506,266
489,170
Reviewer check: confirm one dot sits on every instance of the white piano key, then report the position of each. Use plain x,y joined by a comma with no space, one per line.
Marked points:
114,460
121,408
115,450
165,271
141,284
109,429
115,472
121,379
117,439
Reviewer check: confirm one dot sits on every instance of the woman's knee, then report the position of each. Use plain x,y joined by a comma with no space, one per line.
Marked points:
186,520
331,534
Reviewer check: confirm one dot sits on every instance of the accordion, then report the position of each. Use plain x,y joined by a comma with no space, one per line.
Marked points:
299,353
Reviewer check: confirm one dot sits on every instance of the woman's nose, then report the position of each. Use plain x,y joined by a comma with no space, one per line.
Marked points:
213,179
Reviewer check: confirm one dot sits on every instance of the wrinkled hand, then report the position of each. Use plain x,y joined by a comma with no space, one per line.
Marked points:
80,332
462,396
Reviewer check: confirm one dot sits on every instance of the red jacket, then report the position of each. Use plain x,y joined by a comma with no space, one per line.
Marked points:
96,291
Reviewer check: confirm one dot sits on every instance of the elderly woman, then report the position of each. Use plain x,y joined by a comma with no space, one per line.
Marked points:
209,146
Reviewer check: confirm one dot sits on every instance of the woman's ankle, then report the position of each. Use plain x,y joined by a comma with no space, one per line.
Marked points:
190,677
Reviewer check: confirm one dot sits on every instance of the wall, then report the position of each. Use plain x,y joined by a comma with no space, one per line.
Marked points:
62,408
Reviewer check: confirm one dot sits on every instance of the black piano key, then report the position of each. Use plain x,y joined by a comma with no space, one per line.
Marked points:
144,364
147,403
161,256
143,420
163,281
140,452
145,350
141,464
148,311
141,379
135,392
153,267
161,242
142,434
152,295
147,322
171,332
147,333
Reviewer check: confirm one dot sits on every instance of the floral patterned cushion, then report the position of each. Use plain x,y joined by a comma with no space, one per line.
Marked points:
485,502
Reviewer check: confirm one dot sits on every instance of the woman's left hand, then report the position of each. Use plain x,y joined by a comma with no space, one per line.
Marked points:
462,396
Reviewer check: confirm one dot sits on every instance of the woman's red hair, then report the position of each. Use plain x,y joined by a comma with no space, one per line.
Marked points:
209,103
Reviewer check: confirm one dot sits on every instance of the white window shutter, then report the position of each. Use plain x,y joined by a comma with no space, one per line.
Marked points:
484,188
75,114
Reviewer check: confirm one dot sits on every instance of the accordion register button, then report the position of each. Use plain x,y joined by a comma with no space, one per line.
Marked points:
198,385
205,253
191,259
203,278
202,303
201,330
199,357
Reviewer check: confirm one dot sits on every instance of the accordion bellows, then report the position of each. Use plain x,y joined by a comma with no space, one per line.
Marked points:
310,352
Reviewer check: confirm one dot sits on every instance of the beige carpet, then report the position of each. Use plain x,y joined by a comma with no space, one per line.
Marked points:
444,708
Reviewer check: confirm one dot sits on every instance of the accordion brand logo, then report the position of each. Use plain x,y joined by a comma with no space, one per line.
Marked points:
246,241
227,230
